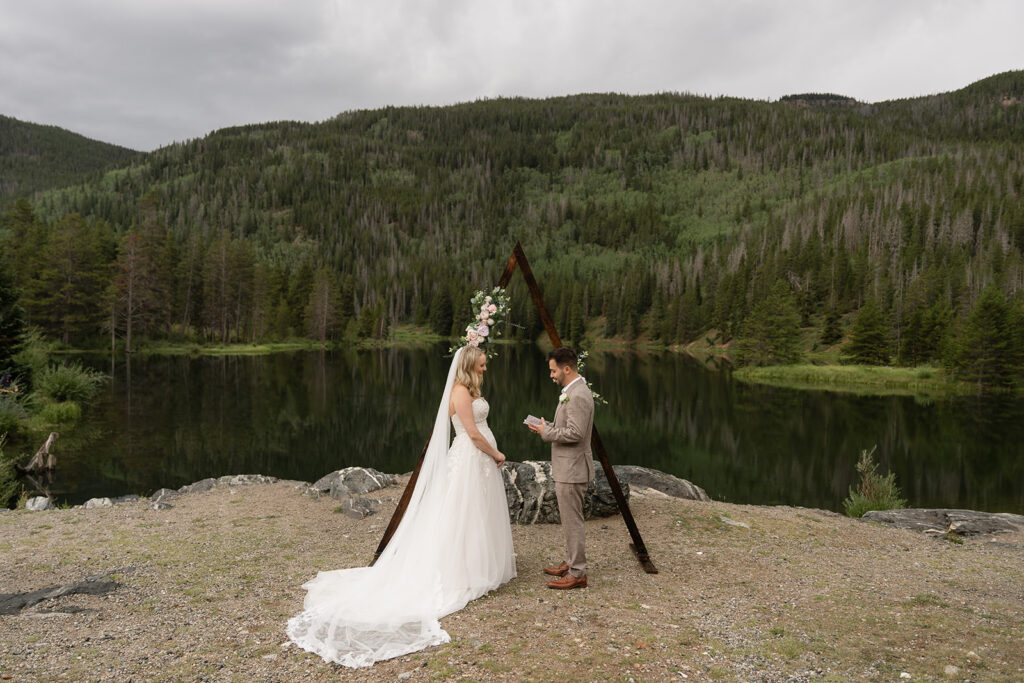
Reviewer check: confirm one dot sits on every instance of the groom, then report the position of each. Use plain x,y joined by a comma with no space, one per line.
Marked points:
572,465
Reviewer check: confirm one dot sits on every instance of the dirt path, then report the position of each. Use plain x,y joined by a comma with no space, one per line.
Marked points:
744,593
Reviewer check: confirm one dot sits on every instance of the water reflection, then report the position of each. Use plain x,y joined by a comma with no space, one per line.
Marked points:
167,421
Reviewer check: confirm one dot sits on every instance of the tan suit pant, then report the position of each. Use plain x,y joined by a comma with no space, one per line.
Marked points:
570,509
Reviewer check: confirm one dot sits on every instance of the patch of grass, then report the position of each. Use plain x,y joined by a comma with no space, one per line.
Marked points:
786,646
954,537
926,600
865,380
59,413
440,668
494,666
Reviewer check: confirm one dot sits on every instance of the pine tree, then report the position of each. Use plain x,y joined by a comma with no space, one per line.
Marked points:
12,322
771,333
66,297
832,333
870,340
985,352
346,302
322,311
441,312
575,316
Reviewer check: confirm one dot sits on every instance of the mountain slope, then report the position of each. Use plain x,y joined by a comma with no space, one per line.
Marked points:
659,216
34,157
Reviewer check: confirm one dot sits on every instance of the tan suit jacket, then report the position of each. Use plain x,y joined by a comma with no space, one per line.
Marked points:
571,459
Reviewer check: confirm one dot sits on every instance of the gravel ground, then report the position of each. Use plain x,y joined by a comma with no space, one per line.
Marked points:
744,593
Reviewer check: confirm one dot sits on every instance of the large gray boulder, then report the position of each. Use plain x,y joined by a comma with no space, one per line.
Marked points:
530,492
245,479
199,486
668,484
943,521
354,507
39,503
163,496
353,480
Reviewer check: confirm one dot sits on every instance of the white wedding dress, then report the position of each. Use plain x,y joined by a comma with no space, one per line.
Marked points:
453,545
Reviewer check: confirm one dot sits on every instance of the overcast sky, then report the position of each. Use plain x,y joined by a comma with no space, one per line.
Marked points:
146,73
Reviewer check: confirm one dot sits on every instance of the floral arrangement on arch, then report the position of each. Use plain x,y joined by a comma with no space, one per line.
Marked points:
490,311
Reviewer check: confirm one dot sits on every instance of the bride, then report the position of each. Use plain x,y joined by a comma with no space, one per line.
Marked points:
453,545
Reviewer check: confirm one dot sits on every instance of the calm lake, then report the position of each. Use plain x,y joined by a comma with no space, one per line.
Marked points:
171,420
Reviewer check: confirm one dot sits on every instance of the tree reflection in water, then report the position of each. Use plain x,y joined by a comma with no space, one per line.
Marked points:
172,420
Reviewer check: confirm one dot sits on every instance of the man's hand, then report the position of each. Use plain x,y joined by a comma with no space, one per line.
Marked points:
538,428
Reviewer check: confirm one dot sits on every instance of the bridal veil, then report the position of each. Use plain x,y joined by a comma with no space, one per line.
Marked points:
358,616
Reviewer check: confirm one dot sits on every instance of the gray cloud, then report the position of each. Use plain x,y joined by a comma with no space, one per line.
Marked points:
145,74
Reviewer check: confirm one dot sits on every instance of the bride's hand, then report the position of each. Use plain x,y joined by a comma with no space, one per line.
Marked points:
499,459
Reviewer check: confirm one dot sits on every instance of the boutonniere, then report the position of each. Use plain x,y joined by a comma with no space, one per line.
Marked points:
564,398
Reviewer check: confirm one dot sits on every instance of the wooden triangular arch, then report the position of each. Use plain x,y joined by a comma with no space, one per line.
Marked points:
518,258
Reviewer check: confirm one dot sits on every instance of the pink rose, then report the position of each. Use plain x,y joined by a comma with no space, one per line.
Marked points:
482,331
492,308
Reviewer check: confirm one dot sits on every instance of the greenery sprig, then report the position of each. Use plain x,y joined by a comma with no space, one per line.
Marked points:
581,361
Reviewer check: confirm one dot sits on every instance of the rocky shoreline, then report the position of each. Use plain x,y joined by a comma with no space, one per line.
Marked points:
530,492
529,489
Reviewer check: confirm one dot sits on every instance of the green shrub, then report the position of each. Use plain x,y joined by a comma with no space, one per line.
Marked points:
9,488
60,413
35,352
70,382
12,413
874,492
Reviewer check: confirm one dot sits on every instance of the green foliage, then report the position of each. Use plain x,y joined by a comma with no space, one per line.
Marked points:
441,313
12,322
9,487
771,333
832,332
35,157
990,350
61,412
34,353
323,316
66,298
873,492
69,382
925,333
661,215
12,413
870,342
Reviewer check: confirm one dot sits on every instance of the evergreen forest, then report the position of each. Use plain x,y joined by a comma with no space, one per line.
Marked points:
892,231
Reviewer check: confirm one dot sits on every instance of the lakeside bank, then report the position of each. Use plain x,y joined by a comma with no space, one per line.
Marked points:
858,379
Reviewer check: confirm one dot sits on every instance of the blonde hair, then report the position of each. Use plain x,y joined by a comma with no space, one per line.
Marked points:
466,374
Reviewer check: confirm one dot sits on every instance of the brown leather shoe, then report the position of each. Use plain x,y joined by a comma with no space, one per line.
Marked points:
560,570
568,581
